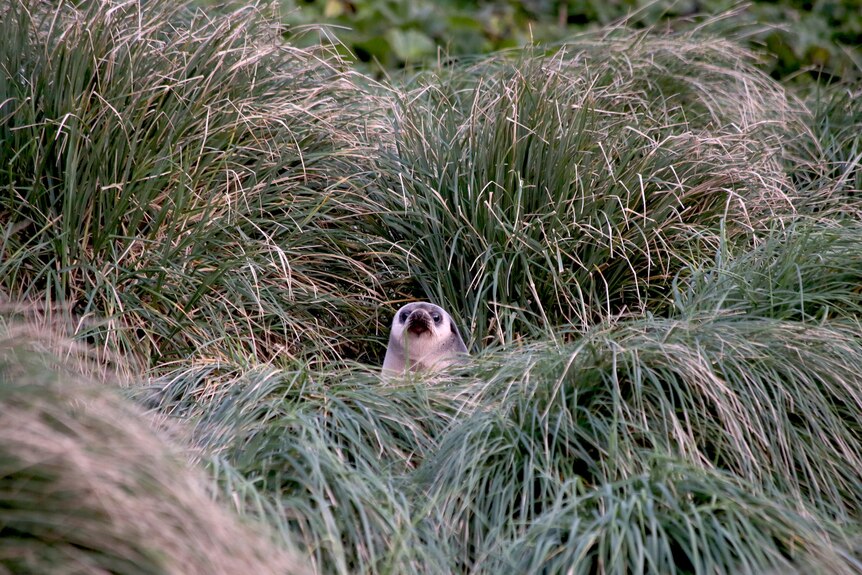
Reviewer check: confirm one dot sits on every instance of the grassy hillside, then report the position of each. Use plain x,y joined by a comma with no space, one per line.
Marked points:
652,245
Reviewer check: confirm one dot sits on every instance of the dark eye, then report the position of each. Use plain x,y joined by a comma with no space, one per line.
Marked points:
403,316
436,317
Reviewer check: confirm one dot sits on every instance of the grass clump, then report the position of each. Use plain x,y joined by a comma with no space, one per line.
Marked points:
87,486
773,404
717,444
567,188
825,159
808,270
673,519
331,453
179,181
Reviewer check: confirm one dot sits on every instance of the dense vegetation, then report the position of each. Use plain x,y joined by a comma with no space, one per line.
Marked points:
653,246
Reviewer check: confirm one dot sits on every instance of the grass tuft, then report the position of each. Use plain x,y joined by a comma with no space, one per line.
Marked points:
806,271
541,190
183,183
87,487
674,519
775,404
334,449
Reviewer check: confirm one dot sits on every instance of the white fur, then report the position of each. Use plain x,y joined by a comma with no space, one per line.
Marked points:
432,350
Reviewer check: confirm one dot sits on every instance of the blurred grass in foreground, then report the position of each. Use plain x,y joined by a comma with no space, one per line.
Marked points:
87,487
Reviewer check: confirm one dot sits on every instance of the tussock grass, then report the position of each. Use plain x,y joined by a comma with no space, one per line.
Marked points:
673,519
652,241
87,487
719,443
333,449
342,404
181,181
563,189
777,404
825,159
808,270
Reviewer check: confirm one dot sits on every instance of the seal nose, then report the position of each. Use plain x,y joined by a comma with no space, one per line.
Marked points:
419,322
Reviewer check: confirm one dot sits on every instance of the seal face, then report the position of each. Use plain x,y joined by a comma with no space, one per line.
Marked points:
423,338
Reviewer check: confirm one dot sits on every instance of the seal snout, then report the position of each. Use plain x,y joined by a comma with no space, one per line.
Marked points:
419,322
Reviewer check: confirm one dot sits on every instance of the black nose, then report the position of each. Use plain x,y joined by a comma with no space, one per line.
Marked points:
419,322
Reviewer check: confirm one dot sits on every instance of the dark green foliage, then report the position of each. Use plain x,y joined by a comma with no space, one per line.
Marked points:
394,33
821,37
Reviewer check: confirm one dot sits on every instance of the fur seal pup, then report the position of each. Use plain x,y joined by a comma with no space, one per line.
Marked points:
423,338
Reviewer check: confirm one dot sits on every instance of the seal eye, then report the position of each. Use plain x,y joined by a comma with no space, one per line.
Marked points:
436,317
403,316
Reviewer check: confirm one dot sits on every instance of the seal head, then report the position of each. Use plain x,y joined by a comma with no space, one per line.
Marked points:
423,338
